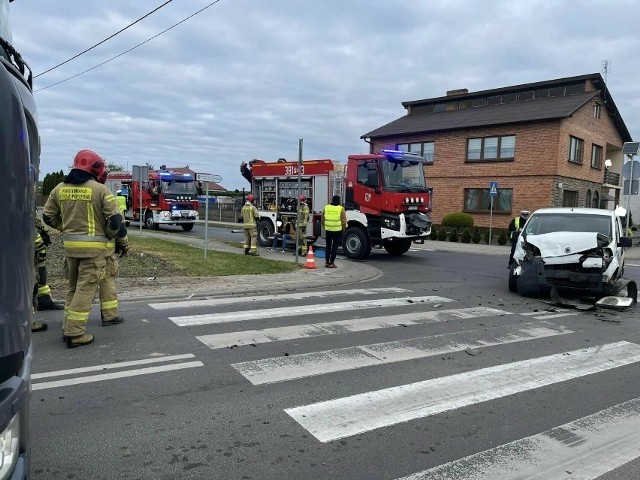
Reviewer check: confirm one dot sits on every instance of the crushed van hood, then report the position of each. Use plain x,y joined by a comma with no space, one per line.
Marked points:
559,244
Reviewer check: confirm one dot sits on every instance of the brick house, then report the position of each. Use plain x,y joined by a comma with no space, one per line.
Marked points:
544,143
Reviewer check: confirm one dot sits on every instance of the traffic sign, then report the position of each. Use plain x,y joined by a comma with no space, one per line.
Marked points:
207,177
626,170
634,188
493,189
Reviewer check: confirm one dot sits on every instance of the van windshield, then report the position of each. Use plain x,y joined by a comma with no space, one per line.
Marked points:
568,222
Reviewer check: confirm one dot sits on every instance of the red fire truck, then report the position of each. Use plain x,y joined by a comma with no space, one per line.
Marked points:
385,198
168,198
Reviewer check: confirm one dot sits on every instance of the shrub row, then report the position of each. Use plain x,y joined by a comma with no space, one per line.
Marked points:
467,235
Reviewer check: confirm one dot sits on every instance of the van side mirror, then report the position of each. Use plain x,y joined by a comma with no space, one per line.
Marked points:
624,242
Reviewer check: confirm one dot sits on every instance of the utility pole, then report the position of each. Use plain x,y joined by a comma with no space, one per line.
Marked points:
299,192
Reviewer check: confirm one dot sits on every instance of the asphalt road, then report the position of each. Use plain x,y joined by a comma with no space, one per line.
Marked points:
405,376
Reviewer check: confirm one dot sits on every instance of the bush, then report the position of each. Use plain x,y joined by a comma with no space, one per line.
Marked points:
475,236
502,238
457,220
466,236
434,233
442,235
453,236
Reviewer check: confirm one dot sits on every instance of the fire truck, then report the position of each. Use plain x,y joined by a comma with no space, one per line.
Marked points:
385,196
166,198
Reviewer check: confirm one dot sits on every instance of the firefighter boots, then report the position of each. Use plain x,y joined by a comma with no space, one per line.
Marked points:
45,302
38,327
246,251
114,321
79,341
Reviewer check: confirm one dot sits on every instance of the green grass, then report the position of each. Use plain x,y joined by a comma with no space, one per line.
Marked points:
186,260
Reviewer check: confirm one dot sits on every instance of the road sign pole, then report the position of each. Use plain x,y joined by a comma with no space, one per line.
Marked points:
626,223
298,209
490,218
206,219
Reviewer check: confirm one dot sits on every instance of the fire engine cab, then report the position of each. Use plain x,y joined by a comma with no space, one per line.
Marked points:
385,197
166,198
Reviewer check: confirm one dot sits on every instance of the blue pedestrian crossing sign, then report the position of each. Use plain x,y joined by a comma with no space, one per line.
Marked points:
493,189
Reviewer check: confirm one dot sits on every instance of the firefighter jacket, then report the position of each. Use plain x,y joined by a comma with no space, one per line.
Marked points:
334,218
87,214
250,215
304,214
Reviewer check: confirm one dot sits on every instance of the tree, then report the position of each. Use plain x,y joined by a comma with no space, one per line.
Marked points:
114,167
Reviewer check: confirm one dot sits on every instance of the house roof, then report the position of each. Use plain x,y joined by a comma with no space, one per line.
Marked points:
550,108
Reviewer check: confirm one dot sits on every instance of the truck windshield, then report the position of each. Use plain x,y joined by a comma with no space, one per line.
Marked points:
173,186
403,177
568,222
5,30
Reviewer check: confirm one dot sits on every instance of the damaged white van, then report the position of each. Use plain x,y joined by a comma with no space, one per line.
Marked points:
578,251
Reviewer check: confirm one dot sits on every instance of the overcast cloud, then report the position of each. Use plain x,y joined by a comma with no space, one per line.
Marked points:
246,78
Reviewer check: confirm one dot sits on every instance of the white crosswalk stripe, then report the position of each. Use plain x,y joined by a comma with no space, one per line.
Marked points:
289,311
586,449
344,417
280,369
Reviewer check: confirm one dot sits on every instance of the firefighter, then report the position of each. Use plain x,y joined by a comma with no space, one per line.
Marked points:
515,227
42,299
107,287
250,217
302,227
87,214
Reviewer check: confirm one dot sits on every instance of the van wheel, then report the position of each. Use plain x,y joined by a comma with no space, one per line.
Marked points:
513,279
355,243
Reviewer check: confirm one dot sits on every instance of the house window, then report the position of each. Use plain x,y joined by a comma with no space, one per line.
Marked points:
424,149
587,203
596,156
491,148
596,110
478,200
596,200
569,198
576,146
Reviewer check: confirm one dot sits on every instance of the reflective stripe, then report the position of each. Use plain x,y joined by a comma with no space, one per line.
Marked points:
91,221
43,290
86,244
108,305
85,238
78,317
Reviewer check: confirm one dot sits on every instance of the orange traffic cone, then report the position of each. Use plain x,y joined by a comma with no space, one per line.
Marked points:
311,262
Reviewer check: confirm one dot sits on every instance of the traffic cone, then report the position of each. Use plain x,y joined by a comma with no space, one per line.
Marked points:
311,262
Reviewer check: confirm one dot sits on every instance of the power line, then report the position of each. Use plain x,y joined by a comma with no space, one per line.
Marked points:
129,50
108,38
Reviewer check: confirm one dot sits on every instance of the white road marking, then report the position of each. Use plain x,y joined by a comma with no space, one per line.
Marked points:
583,449
545,315
271,370
114,375
247,337
261,314
212,302
343,417
110,366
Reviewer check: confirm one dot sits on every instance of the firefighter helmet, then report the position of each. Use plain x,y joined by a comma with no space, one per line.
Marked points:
250,198
103,176
303,198
89,162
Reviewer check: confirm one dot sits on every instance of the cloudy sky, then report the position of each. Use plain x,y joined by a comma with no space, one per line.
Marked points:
246,79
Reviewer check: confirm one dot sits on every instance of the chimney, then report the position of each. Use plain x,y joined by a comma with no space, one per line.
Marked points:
459,91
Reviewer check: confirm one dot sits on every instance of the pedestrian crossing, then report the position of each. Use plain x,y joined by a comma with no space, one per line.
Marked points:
585,447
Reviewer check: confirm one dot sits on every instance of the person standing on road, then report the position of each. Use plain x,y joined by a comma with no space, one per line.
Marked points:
515,227
250,216
334,222
87,214
302,228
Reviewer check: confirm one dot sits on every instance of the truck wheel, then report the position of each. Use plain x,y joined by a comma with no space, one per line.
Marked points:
513,279
149,223
187,227
265,230
397,247
355,243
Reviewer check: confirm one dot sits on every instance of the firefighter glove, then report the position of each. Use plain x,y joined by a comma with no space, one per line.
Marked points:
45,236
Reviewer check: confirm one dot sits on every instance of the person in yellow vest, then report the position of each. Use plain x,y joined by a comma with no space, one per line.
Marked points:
250,216
302,228
87,214
122,201
515,227
334,222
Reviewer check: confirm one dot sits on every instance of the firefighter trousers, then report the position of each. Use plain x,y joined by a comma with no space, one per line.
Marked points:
302,235
107,289
84,276
251,240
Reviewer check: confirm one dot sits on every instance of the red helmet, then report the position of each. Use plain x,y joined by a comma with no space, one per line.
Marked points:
250,198
89,162
303,198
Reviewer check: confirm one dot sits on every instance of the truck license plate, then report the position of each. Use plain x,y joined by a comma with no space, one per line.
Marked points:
184,213
413,207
